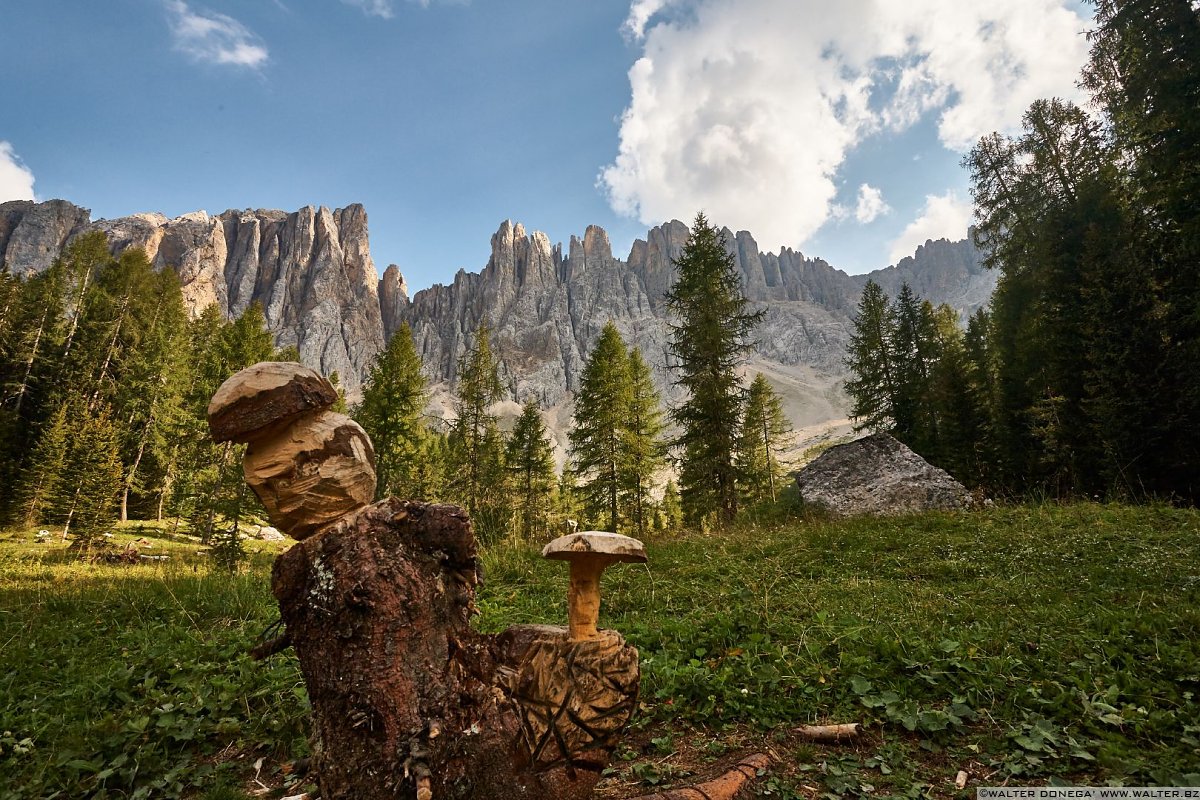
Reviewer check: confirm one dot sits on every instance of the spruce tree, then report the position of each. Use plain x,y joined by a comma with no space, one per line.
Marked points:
872,387
597,437
709,337
912,352
390,412
764,432
529,461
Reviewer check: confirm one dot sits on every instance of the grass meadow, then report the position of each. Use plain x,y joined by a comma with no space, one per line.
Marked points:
1031,644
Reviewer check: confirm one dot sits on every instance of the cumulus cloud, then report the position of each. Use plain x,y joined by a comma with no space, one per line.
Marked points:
945,216
16,179
212,38
748,108
870,204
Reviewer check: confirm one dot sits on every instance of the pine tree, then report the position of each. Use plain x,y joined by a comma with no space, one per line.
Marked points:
218,502
597,438
642,447
763,433
872,387
529,461
955,402
390,412
708,340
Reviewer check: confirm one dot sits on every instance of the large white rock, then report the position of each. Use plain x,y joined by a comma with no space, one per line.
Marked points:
878,475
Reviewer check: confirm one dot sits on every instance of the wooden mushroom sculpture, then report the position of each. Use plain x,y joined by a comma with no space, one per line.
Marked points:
308,465
588,553
408,700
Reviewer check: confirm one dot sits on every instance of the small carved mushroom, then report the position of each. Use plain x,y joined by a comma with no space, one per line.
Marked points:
589,552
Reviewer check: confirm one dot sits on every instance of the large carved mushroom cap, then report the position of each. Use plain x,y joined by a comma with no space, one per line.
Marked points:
612,546
263,398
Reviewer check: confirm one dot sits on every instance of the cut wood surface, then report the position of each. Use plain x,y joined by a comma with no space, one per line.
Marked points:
264,398
312,472
725,787
829,733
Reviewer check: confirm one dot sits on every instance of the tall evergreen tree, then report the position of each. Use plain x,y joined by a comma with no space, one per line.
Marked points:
85,493
476,446
390,412
913,351
872,386
709,337
763,434
529,461
38,483
597,439
641,441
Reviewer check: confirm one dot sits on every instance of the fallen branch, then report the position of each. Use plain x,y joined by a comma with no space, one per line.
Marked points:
829,733
271,647
725,787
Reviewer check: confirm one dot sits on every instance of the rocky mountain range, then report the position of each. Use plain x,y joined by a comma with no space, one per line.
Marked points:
312,272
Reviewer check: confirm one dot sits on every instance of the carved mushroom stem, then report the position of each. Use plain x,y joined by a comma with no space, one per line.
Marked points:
583,596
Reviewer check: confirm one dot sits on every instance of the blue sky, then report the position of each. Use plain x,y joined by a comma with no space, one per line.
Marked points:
836,129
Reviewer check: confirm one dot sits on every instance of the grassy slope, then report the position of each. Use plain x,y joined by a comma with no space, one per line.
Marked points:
1024,644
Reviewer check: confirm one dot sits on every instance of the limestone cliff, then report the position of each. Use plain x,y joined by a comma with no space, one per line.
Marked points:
313,274
311,270
546,308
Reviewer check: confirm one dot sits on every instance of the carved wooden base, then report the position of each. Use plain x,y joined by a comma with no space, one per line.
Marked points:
406,696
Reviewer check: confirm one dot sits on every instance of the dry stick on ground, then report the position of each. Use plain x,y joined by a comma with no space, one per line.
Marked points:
725,787
829,733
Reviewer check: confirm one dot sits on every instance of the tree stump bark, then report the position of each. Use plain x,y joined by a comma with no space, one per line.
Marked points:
408,700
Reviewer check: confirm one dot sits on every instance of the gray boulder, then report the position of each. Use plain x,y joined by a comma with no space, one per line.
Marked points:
877,475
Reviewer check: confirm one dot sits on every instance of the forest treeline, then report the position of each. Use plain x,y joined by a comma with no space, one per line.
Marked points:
1083,375
105,383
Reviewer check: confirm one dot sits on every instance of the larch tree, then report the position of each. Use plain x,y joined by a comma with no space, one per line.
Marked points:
709,337
641,440
597,436
763,434
476,445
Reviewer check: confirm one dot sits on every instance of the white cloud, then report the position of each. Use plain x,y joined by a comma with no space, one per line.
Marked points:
640,12
213,38
748,108
377,8
870,204
16,179
945,216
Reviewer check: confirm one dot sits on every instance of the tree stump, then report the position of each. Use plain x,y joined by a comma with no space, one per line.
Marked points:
406,696
407,699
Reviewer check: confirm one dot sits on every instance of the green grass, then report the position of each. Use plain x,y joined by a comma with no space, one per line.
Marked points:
1030,644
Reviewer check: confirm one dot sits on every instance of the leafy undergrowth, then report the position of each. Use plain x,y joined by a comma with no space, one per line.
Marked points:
1033,644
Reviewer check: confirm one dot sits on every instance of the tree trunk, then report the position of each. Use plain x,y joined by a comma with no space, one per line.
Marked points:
408,700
